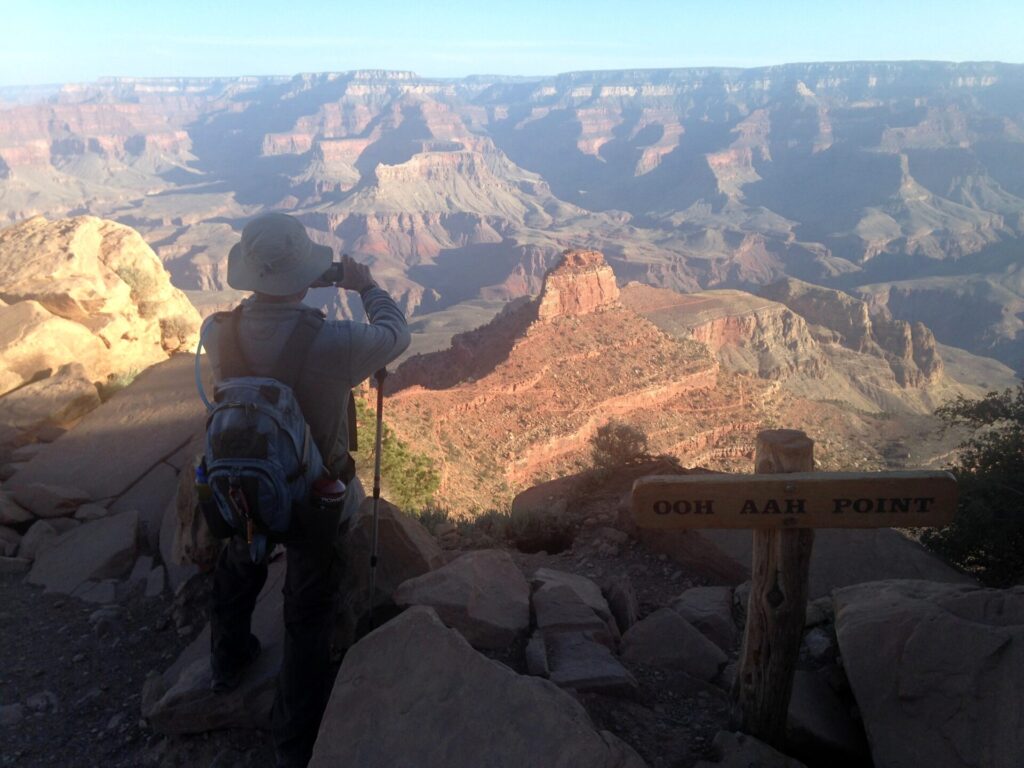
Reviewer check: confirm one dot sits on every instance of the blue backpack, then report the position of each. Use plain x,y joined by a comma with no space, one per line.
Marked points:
260,458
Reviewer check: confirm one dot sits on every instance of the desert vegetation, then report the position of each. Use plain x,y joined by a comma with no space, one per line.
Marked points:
987,536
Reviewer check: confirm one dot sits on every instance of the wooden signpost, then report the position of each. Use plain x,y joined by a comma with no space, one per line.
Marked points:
783,503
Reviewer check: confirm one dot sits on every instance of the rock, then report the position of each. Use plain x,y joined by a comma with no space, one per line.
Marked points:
155,582
9,540
11,714
587,592
102,549
180,700
12,513
709,609
14,564
741,599
185,536
49,500
88,512
578,662
820,729
59,399
40,535
103,278
126,427
582,282
537,656
100,592
406,550
63,524
936,670
143,565
851,556
666,639
414,687
35,342
818,612
150,496
25,452
558,609
697,553
482,594
820,645
185,542
44,701
740,750
622,601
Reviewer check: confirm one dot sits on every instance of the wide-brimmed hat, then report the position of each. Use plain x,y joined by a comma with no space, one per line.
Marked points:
276,256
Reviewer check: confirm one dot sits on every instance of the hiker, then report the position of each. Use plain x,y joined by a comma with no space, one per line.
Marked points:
278,262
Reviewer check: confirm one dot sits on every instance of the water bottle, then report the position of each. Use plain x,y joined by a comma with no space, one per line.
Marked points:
328,494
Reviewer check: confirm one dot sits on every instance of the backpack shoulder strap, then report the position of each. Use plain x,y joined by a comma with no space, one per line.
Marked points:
290,364
232,360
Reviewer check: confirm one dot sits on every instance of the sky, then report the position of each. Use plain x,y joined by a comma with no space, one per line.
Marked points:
54,41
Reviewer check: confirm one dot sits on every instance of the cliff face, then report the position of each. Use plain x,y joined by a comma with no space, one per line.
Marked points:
581,283
909,349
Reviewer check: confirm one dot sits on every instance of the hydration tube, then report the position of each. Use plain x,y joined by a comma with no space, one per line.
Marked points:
199,376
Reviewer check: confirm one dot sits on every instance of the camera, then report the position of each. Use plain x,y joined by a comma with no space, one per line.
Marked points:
331,277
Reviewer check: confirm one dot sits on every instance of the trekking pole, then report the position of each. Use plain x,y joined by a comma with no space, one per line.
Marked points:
380,376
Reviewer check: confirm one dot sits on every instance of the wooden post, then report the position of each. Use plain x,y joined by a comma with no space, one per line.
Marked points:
778,601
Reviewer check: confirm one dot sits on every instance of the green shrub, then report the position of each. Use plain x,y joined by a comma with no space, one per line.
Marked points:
986,537
617,444
115,383
408,479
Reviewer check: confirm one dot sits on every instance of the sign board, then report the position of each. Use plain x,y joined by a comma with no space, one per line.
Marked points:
796,500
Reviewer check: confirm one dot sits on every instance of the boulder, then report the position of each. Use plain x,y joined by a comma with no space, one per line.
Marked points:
740,750
38,537
559,610
709,609
180,700
622,601
103,549
58,399
12,513
138,428
14,564
579,663
415,692
149,497
588,593
185,537
9,540
50,500
34,343
850,556
698,554
666,639
936,670
91,511
102,277
405,550
482,594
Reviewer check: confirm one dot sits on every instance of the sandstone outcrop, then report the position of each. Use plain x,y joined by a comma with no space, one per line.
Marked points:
936,671
104,277
414,687
581,283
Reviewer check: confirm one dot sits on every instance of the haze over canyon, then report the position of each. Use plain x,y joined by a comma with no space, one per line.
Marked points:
899,183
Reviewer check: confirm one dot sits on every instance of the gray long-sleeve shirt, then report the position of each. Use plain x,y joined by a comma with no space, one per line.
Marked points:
343,354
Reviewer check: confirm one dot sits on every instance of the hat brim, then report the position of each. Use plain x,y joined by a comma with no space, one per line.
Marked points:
244,277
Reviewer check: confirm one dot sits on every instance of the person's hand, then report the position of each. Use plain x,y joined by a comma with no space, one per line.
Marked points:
355,276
